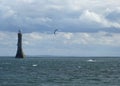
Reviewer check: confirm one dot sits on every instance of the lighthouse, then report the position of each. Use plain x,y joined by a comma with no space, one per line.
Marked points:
19,53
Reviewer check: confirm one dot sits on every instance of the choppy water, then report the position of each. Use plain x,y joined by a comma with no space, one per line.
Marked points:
59,71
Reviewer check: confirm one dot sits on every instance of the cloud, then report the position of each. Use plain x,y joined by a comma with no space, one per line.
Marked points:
113,14
63,42
99,38
25,1
69,15
92,17
6,12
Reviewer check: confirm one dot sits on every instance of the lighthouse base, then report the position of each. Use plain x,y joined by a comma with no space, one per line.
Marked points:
20,54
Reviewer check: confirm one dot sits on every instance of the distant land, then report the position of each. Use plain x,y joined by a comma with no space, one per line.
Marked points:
55,56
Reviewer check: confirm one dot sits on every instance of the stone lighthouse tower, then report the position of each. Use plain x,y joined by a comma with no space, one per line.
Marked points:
19,53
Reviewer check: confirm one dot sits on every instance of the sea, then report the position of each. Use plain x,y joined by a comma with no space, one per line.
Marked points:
60,71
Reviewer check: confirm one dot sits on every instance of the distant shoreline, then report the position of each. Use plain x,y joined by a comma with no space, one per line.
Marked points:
52,56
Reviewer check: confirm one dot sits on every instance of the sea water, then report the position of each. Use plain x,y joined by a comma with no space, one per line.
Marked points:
60,71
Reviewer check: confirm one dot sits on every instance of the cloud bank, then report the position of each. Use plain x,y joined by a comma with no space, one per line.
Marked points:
68,15
64,43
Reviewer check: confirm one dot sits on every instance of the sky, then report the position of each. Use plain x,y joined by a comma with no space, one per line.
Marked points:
85,27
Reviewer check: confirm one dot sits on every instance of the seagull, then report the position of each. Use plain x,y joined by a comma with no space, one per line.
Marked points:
55,31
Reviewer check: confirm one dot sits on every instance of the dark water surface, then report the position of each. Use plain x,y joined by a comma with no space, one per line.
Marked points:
59,71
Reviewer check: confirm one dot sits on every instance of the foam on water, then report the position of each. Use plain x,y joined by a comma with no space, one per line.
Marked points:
91,60
34,65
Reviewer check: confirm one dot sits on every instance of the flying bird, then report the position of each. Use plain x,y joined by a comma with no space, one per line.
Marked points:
55,31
